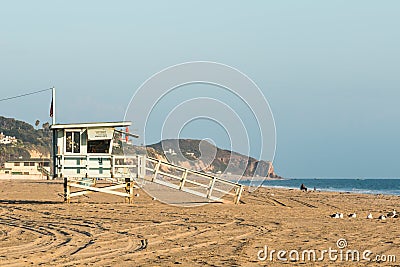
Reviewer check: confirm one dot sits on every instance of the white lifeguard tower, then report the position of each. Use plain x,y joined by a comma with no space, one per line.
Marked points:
83,154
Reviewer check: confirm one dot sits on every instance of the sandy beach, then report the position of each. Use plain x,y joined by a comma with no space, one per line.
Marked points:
38,229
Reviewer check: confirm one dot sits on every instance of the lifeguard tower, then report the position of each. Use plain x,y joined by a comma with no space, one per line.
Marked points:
83,155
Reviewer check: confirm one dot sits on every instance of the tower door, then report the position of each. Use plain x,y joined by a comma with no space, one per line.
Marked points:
73,142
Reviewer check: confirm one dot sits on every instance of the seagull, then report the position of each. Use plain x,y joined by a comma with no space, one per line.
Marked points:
337,215
369,216
382,217
352,215
392,214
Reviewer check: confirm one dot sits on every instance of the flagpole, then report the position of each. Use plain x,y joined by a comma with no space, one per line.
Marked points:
53,104
54,143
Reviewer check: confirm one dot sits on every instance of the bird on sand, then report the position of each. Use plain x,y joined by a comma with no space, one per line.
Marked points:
337,215
392,214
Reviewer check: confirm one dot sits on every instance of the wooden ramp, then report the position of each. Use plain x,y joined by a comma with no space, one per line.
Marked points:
198,186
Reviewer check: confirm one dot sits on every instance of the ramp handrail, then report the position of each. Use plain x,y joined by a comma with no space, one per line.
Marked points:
42,170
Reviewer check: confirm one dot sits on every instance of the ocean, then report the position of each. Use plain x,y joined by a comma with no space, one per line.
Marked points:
363,186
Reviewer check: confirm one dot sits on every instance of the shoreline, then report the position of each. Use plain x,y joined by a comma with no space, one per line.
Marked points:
374,186
361,192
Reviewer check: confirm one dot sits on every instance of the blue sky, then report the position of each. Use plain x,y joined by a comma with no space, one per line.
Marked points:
328,69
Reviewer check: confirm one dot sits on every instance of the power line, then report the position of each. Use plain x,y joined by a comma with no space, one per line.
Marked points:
17,96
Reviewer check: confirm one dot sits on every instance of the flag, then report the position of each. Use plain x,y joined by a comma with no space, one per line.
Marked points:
51,108
126,136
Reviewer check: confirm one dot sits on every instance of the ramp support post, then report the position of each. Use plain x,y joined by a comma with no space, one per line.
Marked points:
156,169
67,190
183,180
210,188
129,190
239,191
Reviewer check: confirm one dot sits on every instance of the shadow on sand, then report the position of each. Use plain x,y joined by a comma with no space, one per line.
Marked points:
46,202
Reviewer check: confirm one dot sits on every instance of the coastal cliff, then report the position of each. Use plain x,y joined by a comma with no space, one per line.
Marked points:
204,156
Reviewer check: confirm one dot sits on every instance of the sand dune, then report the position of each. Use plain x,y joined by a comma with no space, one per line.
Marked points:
38,229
